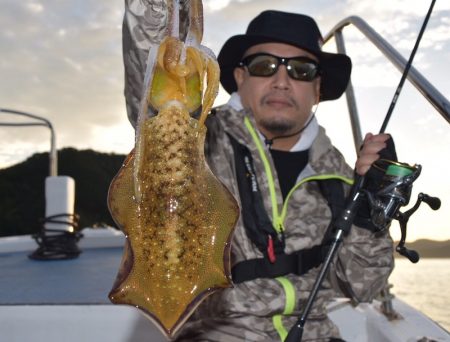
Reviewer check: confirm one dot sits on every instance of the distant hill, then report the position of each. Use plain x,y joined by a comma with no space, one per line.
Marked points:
22,189
430,248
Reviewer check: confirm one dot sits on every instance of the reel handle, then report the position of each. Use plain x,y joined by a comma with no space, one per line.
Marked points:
433,202
410,254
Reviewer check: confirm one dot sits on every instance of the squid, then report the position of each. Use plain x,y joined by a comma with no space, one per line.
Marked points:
177,217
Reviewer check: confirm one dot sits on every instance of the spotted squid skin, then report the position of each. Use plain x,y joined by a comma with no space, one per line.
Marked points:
178,233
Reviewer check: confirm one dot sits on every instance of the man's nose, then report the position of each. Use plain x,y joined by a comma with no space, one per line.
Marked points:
281,80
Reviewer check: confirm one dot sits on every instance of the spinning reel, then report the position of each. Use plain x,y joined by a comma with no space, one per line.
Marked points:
394,192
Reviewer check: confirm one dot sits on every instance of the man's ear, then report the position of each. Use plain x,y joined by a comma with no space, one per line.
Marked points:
238,74
317,90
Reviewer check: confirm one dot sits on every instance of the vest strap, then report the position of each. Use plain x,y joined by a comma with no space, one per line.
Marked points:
299,263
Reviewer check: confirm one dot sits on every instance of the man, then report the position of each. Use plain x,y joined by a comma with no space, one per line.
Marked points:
276,73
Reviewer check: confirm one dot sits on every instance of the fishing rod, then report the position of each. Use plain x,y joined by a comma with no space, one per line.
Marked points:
393,192
406,70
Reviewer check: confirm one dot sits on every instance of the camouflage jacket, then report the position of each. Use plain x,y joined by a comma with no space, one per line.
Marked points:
257,310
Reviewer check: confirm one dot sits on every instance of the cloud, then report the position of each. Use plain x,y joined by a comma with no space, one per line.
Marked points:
62,59
34,7
21,151
215,5
64,63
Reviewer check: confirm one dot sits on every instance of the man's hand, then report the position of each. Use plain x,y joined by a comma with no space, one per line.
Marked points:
374,147
369,152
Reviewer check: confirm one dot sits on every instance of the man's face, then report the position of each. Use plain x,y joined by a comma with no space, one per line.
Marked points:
280,104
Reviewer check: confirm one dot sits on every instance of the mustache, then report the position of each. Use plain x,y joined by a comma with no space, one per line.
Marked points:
279,97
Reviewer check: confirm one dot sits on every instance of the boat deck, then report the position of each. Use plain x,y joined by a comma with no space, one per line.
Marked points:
84,280
67,300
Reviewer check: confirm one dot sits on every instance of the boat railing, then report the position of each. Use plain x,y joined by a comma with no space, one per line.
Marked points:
428,91
37,121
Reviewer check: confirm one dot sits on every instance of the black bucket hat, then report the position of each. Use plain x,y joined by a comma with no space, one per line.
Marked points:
293,29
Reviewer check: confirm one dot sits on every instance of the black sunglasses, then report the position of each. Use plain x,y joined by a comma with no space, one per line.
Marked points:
265,65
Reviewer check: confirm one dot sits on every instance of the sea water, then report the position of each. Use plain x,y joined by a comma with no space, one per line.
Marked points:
425,286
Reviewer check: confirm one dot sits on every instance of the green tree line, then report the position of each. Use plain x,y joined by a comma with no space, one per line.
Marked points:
22,189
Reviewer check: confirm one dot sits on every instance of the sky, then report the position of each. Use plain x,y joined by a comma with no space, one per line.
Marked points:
62,60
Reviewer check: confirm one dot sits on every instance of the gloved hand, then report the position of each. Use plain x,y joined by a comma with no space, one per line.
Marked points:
380,146
375,147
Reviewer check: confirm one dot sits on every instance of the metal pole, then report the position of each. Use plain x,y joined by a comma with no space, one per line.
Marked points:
429,92
351,99
53,155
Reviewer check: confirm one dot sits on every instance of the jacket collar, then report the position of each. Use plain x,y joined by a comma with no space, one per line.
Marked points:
232,116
